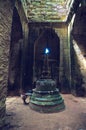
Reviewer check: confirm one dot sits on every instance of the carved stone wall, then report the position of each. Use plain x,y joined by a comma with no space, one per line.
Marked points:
5,30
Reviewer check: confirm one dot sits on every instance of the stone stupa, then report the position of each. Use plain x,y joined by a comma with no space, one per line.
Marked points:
46,97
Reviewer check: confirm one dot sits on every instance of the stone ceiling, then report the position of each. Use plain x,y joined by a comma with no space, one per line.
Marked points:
47,10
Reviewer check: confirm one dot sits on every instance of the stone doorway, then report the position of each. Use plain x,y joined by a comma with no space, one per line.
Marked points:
38,38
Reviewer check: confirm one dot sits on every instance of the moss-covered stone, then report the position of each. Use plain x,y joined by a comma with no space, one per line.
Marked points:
36,7
46,97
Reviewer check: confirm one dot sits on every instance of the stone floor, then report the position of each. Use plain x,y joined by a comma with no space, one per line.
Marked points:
21,117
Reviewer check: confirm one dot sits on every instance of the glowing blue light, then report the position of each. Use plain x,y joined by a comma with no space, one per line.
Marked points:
46,51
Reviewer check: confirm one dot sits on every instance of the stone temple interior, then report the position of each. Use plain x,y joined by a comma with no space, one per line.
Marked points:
27,27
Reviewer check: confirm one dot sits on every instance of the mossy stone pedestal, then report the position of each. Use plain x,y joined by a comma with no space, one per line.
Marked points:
46,97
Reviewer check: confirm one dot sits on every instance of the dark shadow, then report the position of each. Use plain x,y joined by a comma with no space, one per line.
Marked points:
15,55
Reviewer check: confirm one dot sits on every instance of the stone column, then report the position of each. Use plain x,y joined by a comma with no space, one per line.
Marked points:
5,31
65,69
24,62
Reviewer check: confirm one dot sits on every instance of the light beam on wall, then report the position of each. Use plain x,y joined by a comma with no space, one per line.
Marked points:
80,56
47,51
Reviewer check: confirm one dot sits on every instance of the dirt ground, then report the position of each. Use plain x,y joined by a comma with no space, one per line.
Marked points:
21,117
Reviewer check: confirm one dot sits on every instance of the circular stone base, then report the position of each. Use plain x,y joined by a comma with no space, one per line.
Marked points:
46,97
47,109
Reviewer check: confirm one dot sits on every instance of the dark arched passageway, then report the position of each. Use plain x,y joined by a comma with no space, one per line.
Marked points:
38,38
15,54
47,39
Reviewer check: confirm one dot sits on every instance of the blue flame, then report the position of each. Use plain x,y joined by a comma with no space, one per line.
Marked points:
47,51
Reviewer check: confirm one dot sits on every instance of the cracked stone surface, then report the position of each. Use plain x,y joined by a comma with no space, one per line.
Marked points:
21,117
